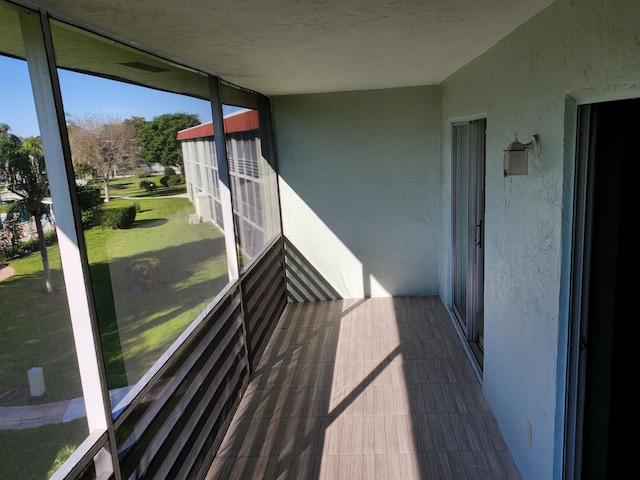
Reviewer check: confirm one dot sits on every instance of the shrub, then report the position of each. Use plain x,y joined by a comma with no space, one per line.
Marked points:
30,245
171,180
10,237
168,171
174,180
91,217
141,172
88,196
148,186
118,217
144,271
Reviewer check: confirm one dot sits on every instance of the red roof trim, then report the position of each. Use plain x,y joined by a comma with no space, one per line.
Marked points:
202,130
237,122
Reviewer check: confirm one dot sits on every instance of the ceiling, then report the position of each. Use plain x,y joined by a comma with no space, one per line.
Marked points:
281,47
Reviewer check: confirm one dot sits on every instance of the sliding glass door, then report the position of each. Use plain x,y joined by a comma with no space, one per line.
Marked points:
468,151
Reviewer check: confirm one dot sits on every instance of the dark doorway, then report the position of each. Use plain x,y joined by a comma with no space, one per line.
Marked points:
606,330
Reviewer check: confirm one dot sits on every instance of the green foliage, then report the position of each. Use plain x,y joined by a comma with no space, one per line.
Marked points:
119,217
141,173
91,217
63,454
22,170
148,186
135,122
174,180
10,237
130,187
171,180
88,196
168,171
89,199
32,245
157,138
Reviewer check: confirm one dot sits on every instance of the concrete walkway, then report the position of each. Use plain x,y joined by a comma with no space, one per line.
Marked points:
5,271
31,416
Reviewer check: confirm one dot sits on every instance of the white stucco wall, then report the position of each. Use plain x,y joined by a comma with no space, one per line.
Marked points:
359,186
585,50
367,202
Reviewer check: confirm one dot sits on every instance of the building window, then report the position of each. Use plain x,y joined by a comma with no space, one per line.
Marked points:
253,182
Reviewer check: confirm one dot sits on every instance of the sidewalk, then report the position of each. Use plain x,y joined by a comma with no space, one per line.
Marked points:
5,271
31,416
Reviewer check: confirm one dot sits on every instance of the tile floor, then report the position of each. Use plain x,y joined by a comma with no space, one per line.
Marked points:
364,389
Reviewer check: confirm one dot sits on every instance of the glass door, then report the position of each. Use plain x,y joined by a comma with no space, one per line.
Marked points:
468,149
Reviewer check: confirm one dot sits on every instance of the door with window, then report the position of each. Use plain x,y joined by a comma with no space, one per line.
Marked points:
468,167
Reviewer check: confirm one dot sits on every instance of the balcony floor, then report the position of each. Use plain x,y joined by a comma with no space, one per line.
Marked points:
364,389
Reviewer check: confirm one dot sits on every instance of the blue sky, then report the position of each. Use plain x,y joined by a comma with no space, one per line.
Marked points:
83,95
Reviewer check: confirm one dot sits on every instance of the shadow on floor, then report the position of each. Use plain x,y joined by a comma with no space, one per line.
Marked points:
367,388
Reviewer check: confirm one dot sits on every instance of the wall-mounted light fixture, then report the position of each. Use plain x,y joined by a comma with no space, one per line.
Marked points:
516,156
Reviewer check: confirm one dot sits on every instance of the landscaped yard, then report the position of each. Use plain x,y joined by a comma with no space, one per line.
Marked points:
138,321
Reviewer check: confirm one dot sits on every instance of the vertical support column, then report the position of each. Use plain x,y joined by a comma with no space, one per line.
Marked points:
270,182
225,180
40,59
227,206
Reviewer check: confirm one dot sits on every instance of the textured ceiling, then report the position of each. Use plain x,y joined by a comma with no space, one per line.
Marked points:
307,46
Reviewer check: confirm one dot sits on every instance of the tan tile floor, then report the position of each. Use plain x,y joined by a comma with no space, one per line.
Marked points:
364,389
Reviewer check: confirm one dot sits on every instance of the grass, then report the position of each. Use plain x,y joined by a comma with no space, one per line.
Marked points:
36,331
136,324
40,446
130,187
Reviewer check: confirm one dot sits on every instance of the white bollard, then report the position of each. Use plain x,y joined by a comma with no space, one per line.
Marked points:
36,381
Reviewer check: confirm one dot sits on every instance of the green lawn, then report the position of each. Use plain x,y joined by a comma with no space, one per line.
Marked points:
30,453
130,187
136,324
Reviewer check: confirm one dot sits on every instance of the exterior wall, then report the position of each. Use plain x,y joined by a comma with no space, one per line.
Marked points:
251,186
361,202
359,185
201,178
572,52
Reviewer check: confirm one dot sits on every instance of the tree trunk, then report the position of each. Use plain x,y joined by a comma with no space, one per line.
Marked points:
107,196
42,243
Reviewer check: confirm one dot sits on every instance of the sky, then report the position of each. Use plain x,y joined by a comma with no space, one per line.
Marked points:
83,95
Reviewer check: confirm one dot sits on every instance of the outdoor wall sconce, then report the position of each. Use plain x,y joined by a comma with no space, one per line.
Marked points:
516,156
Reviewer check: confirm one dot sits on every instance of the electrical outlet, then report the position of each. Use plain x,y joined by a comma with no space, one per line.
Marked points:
527,431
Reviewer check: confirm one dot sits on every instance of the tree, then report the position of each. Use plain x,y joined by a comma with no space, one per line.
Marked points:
23,172
136,122
103,146
158,142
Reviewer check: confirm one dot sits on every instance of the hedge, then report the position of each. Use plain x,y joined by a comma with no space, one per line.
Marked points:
119,217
